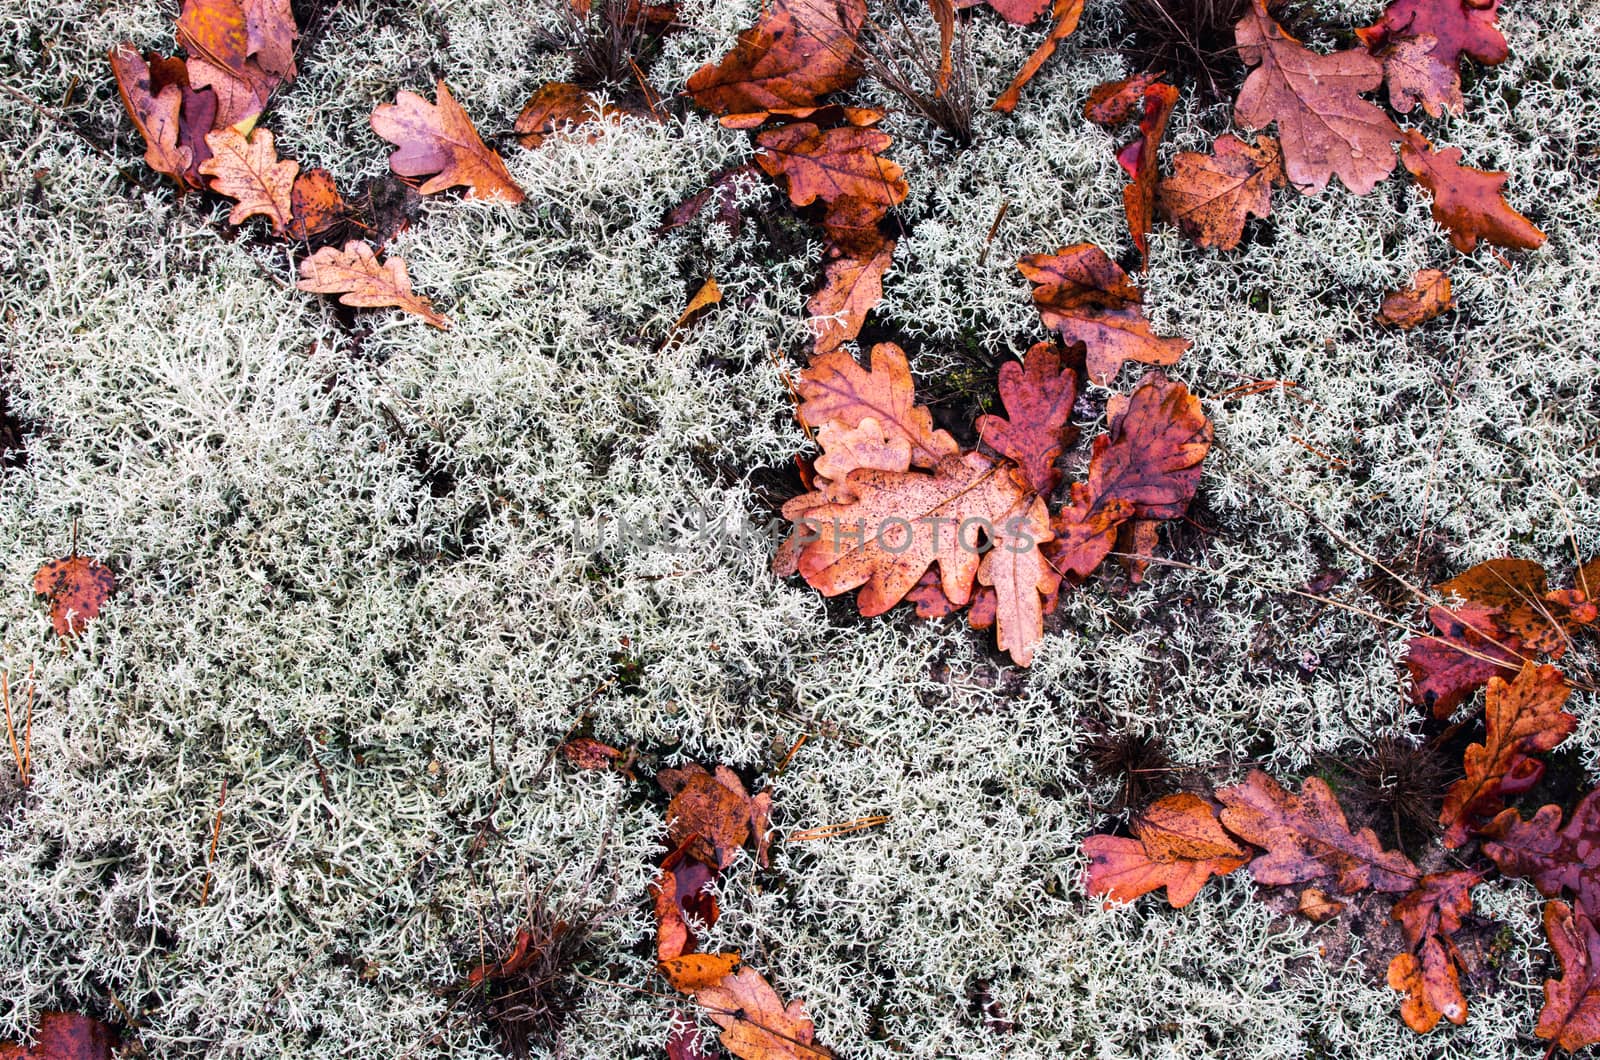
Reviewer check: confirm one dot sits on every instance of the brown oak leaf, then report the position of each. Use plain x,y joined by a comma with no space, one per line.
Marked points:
439,139
1317,906
1553,857
1427,297
1523,718
1086,297
1016,12
359,279
1431,981
1179,844
1038,394
317,205
1422,42
1571,1014
1324,125
1306,837
249,172
1140,159
240,49
76,587
1065,15
1436,905
172,117
555,105
852,284
756,1024
832,165
836,387
713,814
64,1036
1115,102
1466,201
797,52
868,444
1210,196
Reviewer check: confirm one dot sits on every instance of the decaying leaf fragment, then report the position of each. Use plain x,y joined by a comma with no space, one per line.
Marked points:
64,1036
1141,161
248,171
1209,197
1467,201
1523,718
554,105
359,279
1084,295
240,49
317,205
1324,125
1179,844
1427,297
683,890
756,1024
1306,837
1115,102
76,587
439,141
1429,971
1065,15
852,284
797,52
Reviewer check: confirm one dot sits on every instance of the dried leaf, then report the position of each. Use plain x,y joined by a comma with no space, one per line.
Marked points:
1324,125
585,752
1150,457
249,172
707,296
241,95
1540,849
944,16
1210,196
1435,906
1306,837
1115,102
835,387
556,104
930,599
1086,531
1571,1014
242,50
1317,906
683,890
1425,40
693,972
845,449
1085,296
64,1036
1466,201
76,587
1016,12
1470,647
713,814
440,139
1432,985
1141,160
1066,14
1021,579
360,280
169,114
1427,297
852,285
831,165
1038,394
1179,845
1523,718
797,52
756,1025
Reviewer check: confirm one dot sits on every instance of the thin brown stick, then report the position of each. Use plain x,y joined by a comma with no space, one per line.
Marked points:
1000,215
216,835
833,831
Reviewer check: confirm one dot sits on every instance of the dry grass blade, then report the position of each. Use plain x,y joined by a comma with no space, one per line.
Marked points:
1188,37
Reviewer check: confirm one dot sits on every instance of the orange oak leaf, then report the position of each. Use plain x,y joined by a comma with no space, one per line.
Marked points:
835,387
1427,297
713,814
1306,837
852,284
693,972
556,104
1066,14
1466,201
359,279
831,165
249,172
1016,12
823,114
1038,394
1115,102
1571,1014
1086,531
1021,578
944,16
76,587
1431,982
64,1036
756,1024
683,890
439,139
1210,196
316,204
797,52
1151,455
1523,718
1087,298
242,50
1422,42
1179,844
1324,125
1141,161
868,444
171,116
1553,857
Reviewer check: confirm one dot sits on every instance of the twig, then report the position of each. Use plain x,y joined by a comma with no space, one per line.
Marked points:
23,754
833,831
216,834
988,241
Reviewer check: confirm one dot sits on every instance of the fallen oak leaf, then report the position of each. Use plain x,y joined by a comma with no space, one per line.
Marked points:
171,116
1016,12
1306,837
1553,857
836,387
1151,454
831,164
852,285
845,449
1427,297
1415,74
360,280
1114,102
822,114
682,890
585,752
555,105
1086,297
64,1036
1178,844
756,1024
316,205
1140,159
76,586
1066,14
713,814
1422,42
241,51
1436,905
1038,394
797,52
693,972
1431,983
248,171
1466,201
1470,647
1022,580
1523,718
1324,125
1571,1014
439,139
1317,906
1209,197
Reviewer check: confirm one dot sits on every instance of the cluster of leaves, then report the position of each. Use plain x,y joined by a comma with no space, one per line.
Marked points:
1506,619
